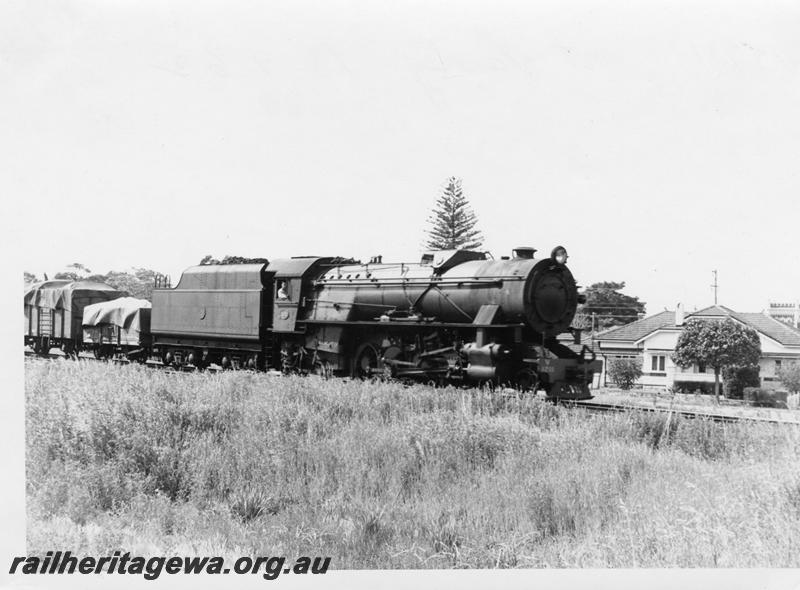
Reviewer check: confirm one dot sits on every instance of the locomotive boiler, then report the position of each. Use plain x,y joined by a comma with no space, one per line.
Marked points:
454,316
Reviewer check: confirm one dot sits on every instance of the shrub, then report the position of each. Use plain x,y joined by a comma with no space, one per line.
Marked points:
766,398
624,372
694,386
735,379
790,377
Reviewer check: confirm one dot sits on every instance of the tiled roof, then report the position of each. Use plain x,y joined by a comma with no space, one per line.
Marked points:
777,330
640,328
770,327
710,312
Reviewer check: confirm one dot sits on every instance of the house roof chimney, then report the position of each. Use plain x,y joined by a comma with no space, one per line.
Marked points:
679,315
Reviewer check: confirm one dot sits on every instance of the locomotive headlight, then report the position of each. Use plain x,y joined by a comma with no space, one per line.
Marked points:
559,254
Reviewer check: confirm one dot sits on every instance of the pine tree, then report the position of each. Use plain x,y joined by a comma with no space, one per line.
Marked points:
453,221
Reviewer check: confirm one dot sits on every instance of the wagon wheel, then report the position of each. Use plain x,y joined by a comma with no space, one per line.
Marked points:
102,352
323,369
41,346
366,362
196,359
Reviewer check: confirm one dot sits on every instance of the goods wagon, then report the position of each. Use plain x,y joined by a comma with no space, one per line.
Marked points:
118,328
54,312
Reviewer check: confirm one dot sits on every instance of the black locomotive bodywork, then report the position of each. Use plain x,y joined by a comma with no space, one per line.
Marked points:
454,316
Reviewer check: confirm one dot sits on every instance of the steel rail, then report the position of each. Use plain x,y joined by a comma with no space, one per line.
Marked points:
684,413
583,404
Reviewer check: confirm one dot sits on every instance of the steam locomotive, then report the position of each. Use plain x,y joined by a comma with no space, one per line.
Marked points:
454,316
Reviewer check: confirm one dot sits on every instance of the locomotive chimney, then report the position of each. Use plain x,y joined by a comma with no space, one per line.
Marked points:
523,252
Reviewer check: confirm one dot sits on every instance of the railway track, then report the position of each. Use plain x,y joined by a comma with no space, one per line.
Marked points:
61,355
119,361
594,406
591,406
92,358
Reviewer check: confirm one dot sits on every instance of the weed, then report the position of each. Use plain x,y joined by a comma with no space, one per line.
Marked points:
383,475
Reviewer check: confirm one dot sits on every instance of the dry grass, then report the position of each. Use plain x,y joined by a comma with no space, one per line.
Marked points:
387,476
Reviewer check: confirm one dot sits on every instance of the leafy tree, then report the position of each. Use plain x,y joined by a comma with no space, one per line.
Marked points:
624,372
611,307
208,259
452,222
228,259
790,377
717,344
29,277
137,284
74,272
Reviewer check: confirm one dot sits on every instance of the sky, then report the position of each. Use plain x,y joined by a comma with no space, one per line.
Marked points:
656,141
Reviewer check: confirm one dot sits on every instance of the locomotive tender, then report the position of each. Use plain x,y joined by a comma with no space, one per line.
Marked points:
455,316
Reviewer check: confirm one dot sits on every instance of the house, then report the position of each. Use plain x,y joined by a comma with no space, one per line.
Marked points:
653,340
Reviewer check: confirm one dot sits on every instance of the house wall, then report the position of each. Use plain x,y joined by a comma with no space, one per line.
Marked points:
662,344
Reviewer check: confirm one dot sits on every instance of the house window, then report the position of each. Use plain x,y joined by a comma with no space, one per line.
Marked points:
777,365
701,367
657,363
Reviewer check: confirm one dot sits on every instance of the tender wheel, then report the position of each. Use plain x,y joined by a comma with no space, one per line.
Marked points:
366,362
195,359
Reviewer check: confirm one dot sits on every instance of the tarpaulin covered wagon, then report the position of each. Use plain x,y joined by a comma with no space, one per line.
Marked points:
120,326
54,312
